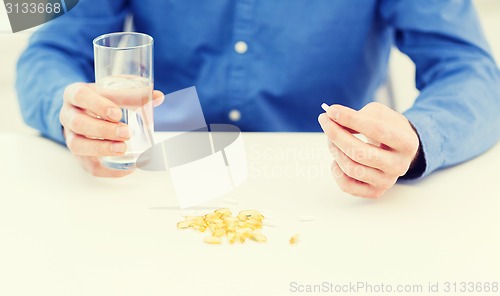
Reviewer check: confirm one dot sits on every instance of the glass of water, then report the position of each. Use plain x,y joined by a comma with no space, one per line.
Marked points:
124,75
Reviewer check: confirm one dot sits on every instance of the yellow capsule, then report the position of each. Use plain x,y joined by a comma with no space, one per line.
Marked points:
252,214
230,219
256,220
211,217
239,237
231,229
224,212
212,227
184,224
231,236
199,224
253,223
243,225
212,240
219,232
294,239
232,225
242,217
195,220
257,236
256,215
199,228
218,223
244,230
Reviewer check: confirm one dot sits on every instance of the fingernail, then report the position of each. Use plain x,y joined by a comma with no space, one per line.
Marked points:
333,113
325,106
123,132
114,114
119,147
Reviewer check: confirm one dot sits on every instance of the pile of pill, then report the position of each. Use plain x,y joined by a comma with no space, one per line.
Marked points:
221,223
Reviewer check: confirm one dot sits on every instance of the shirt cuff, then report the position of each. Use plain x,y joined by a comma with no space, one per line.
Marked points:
430,141
54,126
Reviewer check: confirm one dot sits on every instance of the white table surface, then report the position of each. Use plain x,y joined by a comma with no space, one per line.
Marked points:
64,232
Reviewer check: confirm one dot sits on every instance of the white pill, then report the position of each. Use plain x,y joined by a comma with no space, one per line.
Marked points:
307,218
269,223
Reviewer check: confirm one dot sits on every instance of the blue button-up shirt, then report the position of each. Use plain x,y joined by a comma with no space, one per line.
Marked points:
276,61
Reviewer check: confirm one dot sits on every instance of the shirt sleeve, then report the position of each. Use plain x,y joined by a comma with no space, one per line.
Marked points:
457,114
61,53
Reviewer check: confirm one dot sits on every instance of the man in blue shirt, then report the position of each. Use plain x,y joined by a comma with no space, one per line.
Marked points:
268,66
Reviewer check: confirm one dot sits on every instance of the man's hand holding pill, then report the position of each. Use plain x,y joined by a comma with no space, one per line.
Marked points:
369,169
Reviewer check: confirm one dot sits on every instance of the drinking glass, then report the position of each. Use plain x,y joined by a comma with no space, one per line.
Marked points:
124,74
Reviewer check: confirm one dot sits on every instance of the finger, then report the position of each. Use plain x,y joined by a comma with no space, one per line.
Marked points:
325,107
360,172
358,150
158,98
84,96
81,123
352,186
80,145
369,126
95,168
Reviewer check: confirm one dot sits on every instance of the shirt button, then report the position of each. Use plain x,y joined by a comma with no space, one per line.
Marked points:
241,47
234,115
